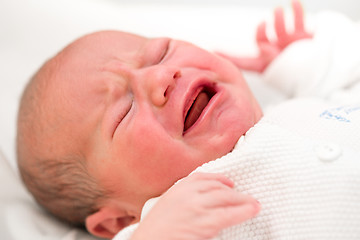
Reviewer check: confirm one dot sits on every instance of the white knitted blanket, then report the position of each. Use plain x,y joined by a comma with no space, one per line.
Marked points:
303,168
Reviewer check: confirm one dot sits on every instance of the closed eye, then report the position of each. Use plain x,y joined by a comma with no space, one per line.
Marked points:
164,52
122,115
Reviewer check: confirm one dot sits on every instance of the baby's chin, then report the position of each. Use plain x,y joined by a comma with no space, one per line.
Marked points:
233,143
227,144
233,133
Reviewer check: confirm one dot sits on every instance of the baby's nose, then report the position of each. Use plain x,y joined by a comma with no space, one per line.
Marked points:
161,80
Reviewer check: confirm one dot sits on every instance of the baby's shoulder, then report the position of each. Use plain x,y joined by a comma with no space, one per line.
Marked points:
317,119
296,111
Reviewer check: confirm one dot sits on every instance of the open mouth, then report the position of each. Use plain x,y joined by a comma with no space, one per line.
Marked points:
197,107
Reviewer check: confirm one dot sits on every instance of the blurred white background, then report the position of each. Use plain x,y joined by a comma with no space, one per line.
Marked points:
348,7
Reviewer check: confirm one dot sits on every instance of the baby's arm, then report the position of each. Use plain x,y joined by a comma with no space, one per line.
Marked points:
198,207
269,50
325,66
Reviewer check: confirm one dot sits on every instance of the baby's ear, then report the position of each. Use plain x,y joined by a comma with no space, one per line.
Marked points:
107,222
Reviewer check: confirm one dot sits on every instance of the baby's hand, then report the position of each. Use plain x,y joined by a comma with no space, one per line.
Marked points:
198,207
269,50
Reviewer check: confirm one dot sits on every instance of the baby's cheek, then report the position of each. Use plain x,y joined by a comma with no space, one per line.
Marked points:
156,178
149,161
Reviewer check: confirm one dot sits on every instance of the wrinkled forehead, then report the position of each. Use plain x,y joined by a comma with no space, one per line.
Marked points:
83,66
97,48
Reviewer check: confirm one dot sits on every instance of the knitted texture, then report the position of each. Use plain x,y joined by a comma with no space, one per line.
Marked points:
303,195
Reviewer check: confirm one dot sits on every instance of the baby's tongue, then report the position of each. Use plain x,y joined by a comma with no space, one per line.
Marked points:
195,111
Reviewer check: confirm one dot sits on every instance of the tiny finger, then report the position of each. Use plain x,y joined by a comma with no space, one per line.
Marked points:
280,28
225,197
261,36
213,177
298,16
237,214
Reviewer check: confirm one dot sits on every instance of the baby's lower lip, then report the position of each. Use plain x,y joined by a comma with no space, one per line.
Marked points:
203,102
196,109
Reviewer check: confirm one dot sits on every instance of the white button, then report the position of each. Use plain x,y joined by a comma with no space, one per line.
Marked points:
328,152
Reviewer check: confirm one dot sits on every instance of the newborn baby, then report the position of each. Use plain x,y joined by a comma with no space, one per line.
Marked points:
115,119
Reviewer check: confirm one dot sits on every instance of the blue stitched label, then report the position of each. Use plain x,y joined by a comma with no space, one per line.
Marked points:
342,114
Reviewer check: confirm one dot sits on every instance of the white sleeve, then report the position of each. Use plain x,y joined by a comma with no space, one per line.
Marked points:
127,232
322,66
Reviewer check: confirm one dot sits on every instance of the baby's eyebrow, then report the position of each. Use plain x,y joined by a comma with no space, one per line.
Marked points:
117,67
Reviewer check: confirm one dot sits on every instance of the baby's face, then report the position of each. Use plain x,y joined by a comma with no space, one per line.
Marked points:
149,111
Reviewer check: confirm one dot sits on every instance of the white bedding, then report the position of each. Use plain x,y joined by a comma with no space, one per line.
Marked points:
32,31
22,219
